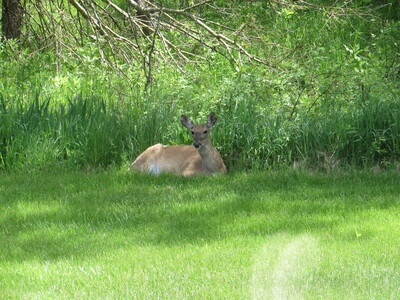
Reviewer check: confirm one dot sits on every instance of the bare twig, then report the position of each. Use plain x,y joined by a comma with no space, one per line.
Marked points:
144,32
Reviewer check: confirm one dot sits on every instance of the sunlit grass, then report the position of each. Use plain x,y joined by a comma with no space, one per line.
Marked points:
121,235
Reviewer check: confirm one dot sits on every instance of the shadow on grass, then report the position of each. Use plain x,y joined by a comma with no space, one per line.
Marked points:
52,217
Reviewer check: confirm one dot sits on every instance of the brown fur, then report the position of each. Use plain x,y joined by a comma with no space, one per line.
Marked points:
184,160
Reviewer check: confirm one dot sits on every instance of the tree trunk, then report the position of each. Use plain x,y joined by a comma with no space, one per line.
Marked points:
12,19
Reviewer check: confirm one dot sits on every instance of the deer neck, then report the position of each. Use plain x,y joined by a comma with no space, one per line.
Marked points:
206,147
209,156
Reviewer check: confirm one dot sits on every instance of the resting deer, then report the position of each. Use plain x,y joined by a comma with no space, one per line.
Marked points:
186,160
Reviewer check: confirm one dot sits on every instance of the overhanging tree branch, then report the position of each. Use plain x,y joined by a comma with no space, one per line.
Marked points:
158,21
146,31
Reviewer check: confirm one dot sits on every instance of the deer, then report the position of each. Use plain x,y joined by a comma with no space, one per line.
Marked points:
185,160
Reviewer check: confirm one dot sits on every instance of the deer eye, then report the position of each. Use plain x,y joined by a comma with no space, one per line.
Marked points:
205,131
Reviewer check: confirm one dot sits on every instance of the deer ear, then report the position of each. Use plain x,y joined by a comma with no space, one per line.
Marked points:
211,120
186,122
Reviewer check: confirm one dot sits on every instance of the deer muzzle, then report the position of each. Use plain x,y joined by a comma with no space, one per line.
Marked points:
197,144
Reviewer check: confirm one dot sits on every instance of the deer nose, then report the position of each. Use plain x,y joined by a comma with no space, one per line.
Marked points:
197,144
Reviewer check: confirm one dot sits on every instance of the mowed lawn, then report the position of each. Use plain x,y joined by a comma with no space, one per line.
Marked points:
116,235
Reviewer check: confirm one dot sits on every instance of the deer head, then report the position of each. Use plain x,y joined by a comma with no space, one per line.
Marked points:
200,133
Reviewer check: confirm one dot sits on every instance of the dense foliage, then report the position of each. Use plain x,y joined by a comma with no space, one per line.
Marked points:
328,96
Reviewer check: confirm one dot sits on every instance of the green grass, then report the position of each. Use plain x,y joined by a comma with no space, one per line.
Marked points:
264,236
89,132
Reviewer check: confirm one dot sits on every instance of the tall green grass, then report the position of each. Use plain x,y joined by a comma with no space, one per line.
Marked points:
83,132
91,132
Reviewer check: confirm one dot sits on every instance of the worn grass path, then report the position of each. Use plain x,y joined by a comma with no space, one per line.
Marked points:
117,235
